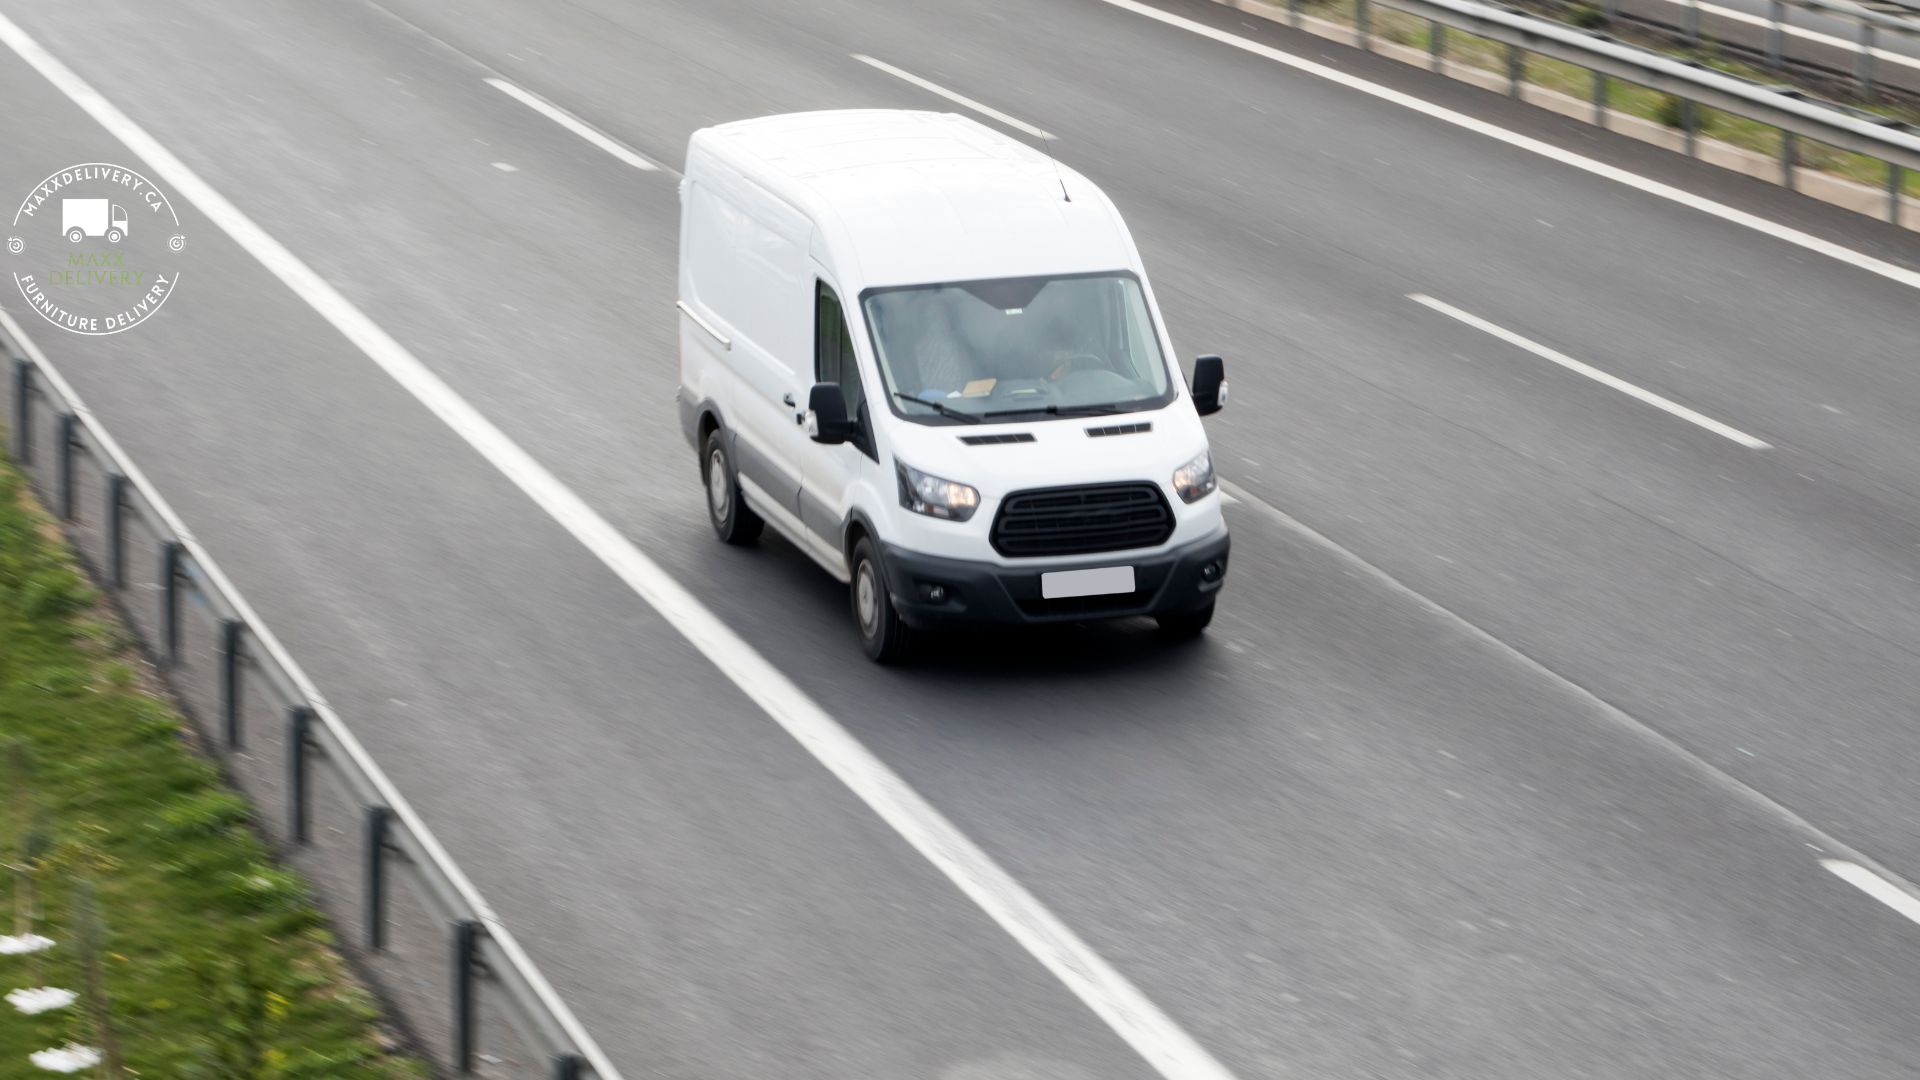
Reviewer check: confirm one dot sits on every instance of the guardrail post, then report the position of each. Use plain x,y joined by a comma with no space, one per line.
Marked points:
299,718
1896,181
466,945
1516,69
1436,46
1612,10
1293,13
567,1067
1789,159
116,530
1863,60
1690,124
1363,23
1600,98
1776,33
232,652
170,600
23,410
376,876
1693,22
64,430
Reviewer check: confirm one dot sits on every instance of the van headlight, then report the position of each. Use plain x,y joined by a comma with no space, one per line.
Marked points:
1195,478
934,497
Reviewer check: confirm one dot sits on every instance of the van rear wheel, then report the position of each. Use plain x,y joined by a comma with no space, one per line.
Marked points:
733,520
884,638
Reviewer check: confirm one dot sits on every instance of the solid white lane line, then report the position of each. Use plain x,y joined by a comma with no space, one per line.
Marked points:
1166,1047
1890,271
960,99
1590,372
572,123
1875,886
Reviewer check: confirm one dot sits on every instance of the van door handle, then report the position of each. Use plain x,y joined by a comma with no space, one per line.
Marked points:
788,400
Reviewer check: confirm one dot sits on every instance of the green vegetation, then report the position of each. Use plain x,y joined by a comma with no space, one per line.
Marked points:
190,954
1661,108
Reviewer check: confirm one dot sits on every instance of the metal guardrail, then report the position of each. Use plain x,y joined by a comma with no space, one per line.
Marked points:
1796,115
393,837
1902,20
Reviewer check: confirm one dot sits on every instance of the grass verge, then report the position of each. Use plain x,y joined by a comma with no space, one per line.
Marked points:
193,954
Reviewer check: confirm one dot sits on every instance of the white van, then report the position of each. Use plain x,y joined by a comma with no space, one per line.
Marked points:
929,357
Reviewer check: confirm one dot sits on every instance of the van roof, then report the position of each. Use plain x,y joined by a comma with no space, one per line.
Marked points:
902,198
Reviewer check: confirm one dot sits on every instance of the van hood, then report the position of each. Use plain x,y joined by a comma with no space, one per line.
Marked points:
997,458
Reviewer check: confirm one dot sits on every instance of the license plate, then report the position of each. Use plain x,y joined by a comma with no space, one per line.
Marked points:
1102,581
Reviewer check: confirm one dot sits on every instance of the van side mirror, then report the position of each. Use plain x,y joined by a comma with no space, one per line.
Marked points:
1209,384
827,420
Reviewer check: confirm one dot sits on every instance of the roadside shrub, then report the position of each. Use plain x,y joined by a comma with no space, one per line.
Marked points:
55,594
204,814
1671,111
1587,16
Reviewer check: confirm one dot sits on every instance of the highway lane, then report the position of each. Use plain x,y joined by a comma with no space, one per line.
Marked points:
1368,426
638,822
1277,868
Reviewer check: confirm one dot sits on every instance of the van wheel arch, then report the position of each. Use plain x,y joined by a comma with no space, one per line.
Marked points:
709,423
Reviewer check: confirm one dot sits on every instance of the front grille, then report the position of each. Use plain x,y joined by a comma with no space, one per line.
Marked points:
996,440
1081,520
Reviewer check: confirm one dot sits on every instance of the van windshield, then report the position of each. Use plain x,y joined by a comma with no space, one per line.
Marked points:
1018,349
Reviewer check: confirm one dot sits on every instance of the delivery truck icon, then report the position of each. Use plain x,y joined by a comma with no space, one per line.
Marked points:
81,218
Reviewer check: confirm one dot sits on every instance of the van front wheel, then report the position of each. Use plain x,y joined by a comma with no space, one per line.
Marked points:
733,520
882,635
1187,624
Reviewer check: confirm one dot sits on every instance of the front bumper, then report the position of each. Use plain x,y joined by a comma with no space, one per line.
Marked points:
984,593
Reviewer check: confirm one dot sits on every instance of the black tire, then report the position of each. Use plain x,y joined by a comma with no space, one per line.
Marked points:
1185,625
733,520
883,637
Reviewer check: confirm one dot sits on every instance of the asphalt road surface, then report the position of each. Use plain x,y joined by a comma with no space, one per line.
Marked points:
1530,711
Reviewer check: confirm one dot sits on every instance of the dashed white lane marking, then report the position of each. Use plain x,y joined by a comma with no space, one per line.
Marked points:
1166,1047
1591,372
1875,886
504,167
572,123
1808,241
957,98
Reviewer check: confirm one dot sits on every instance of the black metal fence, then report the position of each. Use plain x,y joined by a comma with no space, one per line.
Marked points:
489,971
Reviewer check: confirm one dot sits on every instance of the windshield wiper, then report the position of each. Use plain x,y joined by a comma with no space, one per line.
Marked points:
1062,410
957,414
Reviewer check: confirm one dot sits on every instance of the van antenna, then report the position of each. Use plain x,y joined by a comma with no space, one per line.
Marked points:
1046,141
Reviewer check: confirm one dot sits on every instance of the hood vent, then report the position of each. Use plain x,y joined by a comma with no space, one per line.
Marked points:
1118,429
995,440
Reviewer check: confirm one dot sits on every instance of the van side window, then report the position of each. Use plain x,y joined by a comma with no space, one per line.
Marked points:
833,357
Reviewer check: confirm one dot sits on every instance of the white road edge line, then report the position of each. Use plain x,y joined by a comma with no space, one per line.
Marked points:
572,123
1166,1047
1875,886
1890,271
960,99
1589,371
